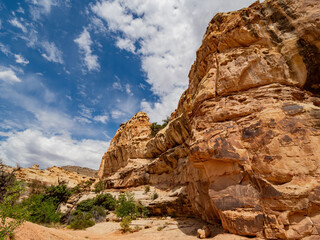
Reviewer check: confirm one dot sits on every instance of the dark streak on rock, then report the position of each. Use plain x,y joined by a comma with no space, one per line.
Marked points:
286,9
311,58
283,23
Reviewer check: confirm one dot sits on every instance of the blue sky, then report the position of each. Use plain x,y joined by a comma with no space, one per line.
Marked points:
72,71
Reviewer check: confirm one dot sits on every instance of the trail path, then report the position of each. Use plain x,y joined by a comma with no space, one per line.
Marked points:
176,230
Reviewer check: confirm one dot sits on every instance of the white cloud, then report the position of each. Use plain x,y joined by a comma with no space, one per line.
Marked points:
117,85
97,25
117,114
20,59
128,89
5,50
33,146
101,118
42,7
7,75
20,10
84,42
166,35
52,53
126,44
15,22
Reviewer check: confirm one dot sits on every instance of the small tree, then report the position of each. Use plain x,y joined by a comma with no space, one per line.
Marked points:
147,189
11,190
99,187
125,223
126,205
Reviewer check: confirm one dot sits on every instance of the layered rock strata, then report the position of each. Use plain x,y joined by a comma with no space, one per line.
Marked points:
245,137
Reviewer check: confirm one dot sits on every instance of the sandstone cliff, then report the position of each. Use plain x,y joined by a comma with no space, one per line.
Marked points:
50,176
244,140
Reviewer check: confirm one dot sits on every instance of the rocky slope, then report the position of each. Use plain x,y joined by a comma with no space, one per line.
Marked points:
50,176
244,140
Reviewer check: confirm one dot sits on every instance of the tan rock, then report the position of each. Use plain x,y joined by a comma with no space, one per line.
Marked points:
244,140
50,176
129,142
204,232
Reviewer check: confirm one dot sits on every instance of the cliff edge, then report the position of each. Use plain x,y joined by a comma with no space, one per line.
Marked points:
244,141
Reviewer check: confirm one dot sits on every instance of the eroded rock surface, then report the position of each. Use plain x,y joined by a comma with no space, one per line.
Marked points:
50,176
244,140
129,142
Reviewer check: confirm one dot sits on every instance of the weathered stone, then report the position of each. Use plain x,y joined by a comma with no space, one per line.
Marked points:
204,232
245,137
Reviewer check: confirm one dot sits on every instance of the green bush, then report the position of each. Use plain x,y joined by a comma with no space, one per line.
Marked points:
126,205
106,200
82,220
41,209
98,213
125,223
9,209
155,128
147,189
143,211
154,196
58,194
86,205
99,187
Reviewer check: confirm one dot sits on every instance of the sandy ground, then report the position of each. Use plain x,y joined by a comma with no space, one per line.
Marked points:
177,229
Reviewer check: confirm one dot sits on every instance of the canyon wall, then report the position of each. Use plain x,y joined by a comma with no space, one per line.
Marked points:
244,140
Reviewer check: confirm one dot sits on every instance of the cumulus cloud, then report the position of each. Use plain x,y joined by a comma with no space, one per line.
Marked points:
20,59
166,35
52,53
7,75
16,23
84,42
33,146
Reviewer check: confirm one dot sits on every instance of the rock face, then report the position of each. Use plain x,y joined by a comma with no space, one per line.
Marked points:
129,142
245,137
51,176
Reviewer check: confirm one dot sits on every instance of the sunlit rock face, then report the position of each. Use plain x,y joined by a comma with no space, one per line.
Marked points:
244,140
129,142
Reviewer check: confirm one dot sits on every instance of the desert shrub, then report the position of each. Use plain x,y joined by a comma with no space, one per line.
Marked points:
126,205
160,228
86,205
98,213
125,223
82,220
99,187
58,194
155,127
154,196
85,185
10,209
76,189
41,209
147,189
106,200
143,211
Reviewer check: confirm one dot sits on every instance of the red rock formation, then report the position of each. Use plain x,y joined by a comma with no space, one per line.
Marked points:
245,137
